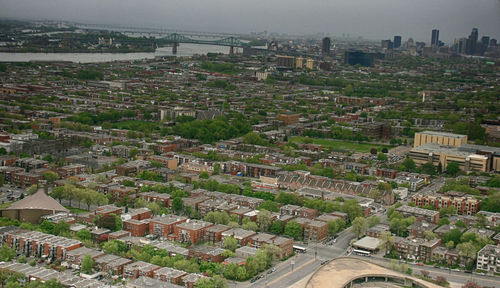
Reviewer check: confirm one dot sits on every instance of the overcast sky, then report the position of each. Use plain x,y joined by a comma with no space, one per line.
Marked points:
373,19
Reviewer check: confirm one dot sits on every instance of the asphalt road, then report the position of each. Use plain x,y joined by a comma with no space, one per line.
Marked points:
303,263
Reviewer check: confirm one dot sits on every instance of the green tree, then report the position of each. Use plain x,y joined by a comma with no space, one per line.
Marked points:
409,165
47,226
352,208
359,226
87,264
269,205
387,241
381,157
204,175
230,243
177,204
428,168
429,235
293,229
213,282
372,221
276,227
447,211
264,219
60,228
83,234
452,169
51,177
216,169
6,253
58,193
452,235
114,247
250,225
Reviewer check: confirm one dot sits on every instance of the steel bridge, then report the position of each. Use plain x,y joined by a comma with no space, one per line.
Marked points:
175,39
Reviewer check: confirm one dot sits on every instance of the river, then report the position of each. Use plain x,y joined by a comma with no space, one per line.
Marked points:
184,50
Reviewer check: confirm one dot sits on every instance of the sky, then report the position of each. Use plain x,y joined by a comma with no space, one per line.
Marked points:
371,19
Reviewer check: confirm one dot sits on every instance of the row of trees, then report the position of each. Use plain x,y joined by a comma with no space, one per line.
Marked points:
86,195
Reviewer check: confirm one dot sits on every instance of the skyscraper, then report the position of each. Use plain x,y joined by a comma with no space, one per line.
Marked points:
472,42
485,40
397,42
474,34
435,37
325,47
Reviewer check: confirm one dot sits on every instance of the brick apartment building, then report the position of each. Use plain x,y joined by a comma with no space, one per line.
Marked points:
70,170
112,264
170,275
37,244
137,269
465,204
192,231
162,199
137,228
419,213
25,179
213,234
164,226
118,193
298,211
315,231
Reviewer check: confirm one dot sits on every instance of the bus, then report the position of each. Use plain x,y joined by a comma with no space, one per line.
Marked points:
299,249
361,253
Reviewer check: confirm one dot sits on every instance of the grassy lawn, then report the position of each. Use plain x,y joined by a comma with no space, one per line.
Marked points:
5,205
75,210
340,145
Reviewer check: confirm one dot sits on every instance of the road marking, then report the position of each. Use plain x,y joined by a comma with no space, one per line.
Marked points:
294,270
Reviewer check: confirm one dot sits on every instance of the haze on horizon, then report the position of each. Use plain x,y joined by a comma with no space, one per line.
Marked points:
371,19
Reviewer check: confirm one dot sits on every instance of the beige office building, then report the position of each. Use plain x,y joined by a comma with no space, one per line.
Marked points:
441,138
299,62
435,154
310,64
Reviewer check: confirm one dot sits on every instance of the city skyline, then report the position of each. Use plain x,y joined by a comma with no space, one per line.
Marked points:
374,21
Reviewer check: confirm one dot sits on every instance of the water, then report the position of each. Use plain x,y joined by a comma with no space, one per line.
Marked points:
184,50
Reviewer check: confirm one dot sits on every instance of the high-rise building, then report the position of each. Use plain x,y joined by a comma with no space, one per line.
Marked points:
285,61
397,42
485,40
493,42
462,46
435,37
325,47
386,44
299,62
474,34
359,57
472,42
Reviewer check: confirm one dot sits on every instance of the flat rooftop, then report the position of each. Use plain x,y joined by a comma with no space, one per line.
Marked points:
444,134
368,243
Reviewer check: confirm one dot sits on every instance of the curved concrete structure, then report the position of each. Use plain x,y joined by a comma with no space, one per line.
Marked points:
345,271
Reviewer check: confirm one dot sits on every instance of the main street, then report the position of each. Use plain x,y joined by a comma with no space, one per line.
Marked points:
303,264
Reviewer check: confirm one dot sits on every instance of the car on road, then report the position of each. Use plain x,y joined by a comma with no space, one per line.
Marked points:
420,264
254,279
271,270
324,262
